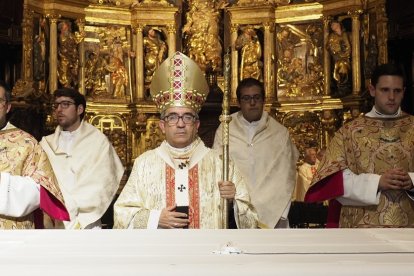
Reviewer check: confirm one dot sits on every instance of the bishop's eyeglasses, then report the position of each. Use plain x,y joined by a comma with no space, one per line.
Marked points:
173,118
63,104
248,98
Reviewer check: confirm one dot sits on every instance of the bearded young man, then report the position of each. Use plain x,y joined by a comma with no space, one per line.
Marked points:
86,165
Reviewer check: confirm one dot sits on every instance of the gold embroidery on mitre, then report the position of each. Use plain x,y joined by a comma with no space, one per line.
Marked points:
179,82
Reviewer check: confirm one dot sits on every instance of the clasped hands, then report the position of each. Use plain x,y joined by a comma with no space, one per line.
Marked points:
170,219
395,179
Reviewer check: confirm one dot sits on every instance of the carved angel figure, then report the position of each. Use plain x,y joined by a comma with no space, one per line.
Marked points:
340,48
201,33
68,65
251,52
119,76
155,52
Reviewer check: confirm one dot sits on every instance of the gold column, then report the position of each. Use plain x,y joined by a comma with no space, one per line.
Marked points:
328,120
172,32
268,68
139,64
53,55
81,79
133,60
356,52
27,37
234,61
326,57
382,33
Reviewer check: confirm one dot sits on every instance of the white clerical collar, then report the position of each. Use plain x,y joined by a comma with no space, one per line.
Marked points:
250,124
180,150
68,133
374,113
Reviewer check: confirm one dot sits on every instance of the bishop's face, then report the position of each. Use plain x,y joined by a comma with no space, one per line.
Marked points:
180,126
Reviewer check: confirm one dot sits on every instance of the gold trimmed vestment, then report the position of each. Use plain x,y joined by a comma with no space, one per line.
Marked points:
151,187
369,145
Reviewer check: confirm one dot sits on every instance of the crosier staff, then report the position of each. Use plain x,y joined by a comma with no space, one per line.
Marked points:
225,119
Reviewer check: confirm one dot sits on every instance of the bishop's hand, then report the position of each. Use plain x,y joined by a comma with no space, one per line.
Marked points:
170,219
227,189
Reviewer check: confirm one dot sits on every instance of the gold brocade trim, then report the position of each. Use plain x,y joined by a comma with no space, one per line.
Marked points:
194,192
22,155
373,146
395,209
26,222
5,131
179,82
261,225
170,185
370,145
388,134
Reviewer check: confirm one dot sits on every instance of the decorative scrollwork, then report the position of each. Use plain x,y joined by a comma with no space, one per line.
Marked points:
305,129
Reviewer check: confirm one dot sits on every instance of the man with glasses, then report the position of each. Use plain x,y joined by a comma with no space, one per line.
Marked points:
178,184
27,181
261,147
85,163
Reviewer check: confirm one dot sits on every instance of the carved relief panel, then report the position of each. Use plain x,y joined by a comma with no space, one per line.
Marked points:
115,128
70,35
41,41
108,63
249,44
299,49
155,52
150,138
201,33
338,45
305,129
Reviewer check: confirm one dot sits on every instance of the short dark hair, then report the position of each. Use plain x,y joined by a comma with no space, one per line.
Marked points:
249,82
77,97
7,90
387,69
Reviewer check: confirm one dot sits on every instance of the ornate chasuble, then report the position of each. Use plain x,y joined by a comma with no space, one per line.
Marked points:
159,175
20,154
372,145
191,190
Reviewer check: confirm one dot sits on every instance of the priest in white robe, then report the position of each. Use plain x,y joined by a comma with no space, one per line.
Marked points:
263,150
86,165
178,185
306,171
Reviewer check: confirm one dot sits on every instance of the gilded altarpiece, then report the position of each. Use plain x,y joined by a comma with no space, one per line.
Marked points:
314,57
